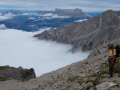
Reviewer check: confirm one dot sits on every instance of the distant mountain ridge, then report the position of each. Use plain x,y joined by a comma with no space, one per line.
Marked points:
42,19
12,12
71,12
87,34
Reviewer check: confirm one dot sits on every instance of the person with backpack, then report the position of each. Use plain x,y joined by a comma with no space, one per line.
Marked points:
111,58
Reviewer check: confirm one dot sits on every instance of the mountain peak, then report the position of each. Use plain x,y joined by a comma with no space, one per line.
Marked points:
109,11
67,9
12,12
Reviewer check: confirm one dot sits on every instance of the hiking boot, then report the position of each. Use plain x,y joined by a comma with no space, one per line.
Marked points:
110,76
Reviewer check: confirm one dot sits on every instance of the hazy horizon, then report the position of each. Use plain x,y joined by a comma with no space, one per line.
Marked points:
85,5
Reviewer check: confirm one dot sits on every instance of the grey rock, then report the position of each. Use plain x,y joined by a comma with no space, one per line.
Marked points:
105,85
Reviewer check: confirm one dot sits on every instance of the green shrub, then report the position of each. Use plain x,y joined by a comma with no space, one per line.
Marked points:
31,70
86,62
27,73
88,81
117,67
97,79
71,79
3,67
103,72
106,64
3,78
88,88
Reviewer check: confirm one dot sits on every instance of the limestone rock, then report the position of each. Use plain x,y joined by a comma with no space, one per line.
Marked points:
105,85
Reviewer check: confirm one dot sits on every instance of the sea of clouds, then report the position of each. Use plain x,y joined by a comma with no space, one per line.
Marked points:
20,48
6,16
9,15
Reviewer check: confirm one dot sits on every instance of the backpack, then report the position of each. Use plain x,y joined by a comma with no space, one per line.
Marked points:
117,47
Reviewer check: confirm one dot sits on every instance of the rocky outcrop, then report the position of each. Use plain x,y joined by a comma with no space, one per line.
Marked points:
87,34
71,12
7,72
105,85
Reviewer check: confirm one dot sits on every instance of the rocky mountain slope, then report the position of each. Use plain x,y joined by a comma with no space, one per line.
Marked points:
87,34
88,74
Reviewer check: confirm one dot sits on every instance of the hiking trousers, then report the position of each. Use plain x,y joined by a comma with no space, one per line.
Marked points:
111,65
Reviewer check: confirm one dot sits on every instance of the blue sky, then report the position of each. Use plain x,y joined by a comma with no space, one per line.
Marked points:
85,5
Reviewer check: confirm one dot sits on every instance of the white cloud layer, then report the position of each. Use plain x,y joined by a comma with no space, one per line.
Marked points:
86,5
80,20
19,48
51,16
2,26
6,16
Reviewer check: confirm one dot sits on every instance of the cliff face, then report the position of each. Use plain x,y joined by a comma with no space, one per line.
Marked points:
87,34
7,72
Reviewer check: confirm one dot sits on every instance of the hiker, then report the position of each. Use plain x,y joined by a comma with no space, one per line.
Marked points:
111,58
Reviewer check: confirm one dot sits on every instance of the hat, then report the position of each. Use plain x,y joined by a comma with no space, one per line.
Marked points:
110,45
